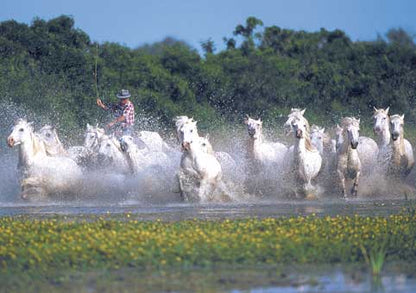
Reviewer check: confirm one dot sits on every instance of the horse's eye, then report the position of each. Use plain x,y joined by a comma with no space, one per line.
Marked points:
192,130
108,145
21,130
48,135
204,144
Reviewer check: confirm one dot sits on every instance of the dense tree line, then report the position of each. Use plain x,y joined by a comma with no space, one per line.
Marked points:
56,71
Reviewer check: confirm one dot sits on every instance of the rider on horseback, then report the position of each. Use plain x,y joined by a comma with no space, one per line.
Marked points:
123,112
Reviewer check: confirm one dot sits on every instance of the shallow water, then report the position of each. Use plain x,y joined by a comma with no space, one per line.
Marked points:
183,211
396,277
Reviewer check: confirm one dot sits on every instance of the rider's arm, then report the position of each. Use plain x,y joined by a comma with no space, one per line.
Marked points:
119,119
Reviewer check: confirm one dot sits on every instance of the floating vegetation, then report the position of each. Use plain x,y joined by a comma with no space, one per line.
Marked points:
108,242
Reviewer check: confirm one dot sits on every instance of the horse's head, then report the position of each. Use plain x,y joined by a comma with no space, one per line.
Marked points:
128,144
92,136
254,127
21,132
381,120
396,126
351,129
201,144
188,132
318,137
49,135
299,127
295,113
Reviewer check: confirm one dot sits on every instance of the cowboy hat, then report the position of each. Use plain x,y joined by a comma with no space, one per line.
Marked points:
123,94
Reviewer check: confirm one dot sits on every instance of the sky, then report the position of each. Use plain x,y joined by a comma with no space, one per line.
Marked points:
135,23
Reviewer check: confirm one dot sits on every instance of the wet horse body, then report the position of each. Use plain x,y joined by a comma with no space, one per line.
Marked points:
392,153
307,160
348,159
42,175
200,172
401,160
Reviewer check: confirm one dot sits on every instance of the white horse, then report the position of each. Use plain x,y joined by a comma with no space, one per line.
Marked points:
307,160
86,155
401,160
113,157
348,160
42,175
187,130
53,144
382,130
261,151
204,168
327,148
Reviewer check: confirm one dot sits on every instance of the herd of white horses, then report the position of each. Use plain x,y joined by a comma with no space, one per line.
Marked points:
310,162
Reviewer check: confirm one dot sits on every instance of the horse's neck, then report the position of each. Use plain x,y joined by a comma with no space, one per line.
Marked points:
383,139
398,149
253,145
345,147
300,147
28,150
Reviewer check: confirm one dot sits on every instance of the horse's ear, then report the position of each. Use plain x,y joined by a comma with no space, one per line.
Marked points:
88,126
375,109
322,130
303,111
207,136
387,110
402,117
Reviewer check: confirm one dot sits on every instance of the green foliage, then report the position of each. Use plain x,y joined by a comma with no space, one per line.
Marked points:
55,70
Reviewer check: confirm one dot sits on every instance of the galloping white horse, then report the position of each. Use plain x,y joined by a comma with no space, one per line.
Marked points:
260,151
382,129
53,144
186,129
327,148
307,160
348,160
401,161
203,167
114,158
41,175
86,155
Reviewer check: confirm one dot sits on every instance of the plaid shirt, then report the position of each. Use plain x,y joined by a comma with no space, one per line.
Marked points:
128,113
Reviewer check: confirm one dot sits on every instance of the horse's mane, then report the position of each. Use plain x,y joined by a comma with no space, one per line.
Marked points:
38,144
347,121
308,143
381,111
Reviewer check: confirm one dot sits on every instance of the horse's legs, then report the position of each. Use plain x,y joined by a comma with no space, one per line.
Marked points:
184,194
342,181
354,188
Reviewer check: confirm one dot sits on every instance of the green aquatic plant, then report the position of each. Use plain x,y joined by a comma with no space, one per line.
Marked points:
375,258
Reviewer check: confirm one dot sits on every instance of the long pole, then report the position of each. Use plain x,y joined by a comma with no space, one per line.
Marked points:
96,72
